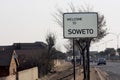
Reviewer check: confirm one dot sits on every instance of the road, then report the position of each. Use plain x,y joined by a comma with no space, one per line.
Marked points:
112,68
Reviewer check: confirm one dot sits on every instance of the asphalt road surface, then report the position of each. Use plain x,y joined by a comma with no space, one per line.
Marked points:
112,68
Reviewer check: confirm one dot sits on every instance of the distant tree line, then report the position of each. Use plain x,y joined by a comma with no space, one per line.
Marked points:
109,53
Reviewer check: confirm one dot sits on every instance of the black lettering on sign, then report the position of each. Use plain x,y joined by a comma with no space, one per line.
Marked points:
69,31
80,31
83,31
68,19
91,31
74,19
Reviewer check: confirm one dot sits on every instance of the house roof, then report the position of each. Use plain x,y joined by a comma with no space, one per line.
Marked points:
28,52
3,48
29,58
5,58
36,45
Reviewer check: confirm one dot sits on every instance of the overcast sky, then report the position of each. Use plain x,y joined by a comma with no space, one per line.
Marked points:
31,20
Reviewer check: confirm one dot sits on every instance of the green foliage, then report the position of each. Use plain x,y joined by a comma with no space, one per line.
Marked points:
110,52
118,50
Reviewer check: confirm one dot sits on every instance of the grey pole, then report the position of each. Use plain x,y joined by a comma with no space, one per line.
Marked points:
73,60
88,60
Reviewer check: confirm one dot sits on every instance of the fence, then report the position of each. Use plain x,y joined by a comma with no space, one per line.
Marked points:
28,74
11,77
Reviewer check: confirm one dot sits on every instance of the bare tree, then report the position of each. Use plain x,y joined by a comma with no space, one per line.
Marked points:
101,19
81,43
51,40
68,46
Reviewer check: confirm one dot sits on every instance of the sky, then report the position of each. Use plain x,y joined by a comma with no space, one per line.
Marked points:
31,20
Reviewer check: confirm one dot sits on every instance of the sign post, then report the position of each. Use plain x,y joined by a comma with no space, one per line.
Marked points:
81,25
74,59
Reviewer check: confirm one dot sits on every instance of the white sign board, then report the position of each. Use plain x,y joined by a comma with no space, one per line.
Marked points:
80,25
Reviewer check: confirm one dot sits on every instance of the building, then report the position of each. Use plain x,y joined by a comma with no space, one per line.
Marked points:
30,58
31,55
8,63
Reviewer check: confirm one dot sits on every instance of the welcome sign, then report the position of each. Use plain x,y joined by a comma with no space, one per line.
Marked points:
83,24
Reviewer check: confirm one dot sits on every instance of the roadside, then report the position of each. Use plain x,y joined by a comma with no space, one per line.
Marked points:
63,67
95,74
102,74
62,70
65,72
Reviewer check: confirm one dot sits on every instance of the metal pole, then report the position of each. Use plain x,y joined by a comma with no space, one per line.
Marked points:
88,61
73,60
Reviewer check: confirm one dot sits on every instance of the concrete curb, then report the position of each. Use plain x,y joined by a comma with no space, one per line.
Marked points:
102,74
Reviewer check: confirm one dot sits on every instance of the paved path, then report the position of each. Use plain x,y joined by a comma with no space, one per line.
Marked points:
93,75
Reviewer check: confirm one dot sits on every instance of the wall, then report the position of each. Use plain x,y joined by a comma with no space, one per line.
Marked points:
58,62
29,74
11,77
12,69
